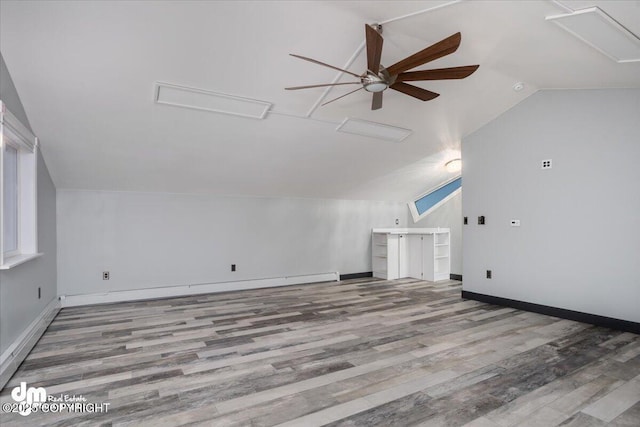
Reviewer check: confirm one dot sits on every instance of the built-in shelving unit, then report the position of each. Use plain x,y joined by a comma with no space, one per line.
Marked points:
384,251
421,253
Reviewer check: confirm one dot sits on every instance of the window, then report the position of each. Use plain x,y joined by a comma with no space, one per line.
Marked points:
432,199
18,186
10,200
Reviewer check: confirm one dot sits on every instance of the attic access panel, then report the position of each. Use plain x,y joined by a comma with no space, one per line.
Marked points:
205,100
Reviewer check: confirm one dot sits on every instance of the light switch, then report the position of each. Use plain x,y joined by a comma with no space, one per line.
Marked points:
515,223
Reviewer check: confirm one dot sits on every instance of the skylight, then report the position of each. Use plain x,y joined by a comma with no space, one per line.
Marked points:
433,199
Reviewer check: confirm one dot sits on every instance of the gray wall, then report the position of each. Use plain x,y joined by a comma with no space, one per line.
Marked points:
578,246
158,239
9,95
19,303
449,215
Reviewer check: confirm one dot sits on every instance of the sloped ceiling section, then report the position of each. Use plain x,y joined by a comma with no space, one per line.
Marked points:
87,72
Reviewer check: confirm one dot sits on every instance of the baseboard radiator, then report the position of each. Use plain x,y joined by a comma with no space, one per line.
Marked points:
15,354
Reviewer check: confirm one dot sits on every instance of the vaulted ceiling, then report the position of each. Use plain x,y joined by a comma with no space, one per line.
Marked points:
86,73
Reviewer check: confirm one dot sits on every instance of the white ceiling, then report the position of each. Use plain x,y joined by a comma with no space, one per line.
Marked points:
85,72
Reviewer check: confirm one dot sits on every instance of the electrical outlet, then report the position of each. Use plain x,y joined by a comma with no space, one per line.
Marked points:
105,275
546,164
397,221
233,267
488,274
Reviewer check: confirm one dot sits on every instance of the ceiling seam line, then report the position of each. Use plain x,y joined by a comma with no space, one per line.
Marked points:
335,80
420,12
298,116
562,6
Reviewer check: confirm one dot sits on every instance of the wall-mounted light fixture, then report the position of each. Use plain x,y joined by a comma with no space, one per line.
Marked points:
454,165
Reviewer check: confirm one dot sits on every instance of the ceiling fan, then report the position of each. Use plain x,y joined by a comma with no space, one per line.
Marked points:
377,78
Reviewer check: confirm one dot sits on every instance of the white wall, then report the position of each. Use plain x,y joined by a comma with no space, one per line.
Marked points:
158,239
19,303
448,215
578,246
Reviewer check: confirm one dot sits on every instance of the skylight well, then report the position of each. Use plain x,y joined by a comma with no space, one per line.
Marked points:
433,199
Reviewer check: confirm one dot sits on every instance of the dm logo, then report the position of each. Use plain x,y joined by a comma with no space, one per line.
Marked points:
32,396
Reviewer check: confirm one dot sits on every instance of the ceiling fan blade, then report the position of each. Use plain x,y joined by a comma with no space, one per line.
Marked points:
376,103
374,48
326,65
438,74
433,52
415,91
322,85
335,99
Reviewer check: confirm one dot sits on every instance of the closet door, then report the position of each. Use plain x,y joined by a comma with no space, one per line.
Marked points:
403,255
393,252
427,258
414,249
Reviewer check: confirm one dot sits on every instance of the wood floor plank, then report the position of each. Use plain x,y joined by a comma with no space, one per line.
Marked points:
362,352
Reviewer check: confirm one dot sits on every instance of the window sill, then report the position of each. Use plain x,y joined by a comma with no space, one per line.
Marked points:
17,260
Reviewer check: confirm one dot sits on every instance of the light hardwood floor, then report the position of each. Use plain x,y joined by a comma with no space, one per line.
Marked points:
363,352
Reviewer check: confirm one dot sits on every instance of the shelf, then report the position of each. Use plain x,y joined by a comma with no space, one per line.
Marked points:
422,254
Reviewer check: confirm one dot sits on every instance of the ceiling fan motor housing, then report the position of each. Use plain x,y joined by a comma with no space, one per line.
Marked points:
377,78
376,83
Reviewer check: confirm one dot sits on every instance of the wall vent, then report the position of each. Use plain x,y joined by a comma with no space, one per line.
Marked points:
200,99
373,130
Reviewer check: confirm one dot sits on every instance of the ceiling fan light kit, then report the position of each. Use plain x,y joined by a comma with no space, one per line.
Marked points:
376,79
374,84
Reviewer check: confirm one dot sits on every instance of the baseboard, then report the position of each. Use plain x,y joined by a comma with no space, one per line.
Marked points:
455,277
184,290
578,316
13,356
356,275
